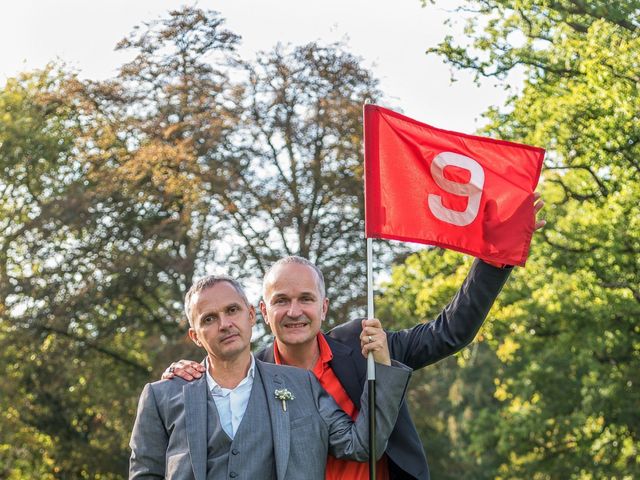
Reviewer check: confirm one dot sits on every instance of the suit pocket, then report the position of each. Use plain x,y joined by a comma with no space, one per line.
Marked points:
301,421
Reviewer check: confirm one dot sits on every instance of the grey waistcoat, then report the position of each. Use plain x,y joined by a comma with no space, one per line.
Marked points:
250,454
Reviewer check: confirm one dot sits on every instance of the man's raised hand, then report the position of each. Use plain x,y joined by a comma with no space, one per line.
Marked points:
374,339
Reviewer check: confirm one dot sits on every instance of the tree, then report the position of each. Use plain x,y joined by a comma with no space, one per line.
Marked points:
273,158
177,108
32,133
564,336
449,400
98,247
42,266
295,166
116,194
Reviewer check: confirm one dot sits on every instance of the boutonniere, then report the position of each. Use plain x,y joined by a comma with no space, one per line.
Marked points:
284,395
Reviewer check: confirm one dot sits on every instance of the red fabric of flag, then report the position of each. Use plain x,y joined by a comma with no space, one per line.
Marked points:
467,193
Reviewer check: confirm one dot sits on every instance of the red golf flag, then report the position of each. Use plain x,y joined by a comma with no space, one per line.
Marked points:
463,192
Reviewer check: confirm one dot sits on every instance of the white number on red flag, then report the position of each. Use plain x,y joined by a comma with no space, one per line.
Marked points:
471,189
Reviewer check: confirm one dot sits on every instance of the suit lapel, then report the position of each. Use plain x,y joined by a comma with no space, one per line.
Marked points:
266,354
279,418
345,361
344,364
195,411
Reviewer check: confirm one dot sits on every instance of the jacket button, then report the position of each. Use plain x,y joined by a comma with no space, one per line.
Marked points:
233,474
235,451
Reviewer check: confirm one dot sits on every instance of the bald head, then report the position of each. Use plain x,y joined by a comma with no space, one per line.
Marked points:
273,273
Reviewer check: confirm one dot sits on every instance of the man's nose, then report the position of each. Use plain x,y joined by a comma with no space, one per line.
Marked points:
294,309
225,322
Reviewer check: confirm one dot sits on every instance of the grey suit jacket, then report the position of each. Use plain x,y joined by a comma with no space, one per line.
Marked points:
169,438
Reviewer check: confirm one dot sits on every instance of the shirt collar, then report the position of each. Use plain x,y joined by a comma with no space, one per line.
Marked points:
213,385
325,352
325,357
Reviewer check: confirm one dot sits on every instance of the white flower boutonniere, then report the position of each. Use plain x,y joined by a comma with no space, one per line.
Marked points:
284,395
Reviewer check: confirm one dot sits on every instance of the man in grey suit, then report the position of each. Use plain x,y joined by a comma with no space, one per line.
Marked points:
246,418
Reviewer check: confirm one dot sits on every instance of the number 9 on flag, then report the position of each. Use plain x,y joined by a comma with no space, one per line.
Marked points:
467,193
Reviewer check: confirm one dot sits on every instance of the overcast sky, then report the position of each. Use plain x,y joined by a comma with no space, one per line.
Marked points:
391,36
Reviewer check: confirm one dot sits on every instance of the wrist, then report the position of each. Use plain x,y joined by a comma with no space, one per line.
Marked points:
496,264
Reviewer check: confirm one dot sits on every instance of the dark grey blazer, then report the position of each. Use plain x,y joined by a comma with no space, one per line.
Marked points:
169,438
416,347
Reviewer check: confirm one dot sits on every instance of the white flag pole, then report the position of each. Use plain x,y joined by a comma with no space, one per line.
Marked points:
371,364
371,368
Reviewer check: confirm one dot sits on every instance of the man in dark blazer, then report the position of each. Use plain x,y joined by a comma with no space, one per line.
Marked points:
295,305
247,419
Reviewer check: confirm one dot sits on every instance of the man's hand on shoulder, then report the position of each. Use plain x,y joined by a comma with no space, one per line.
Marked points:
186,369
374,339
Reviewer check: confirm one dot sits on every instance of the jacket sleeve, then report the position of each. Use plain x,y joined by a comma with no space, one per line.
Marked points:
149,440
348,439
456,326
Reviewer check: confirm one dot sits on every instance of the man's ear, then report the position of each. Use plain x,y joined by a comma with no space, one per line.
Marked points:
252,315
325,308
194,337
263,310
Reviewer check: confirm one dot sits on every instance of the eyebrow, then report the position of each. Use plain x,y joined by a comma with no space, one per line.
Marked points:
306,292
226,307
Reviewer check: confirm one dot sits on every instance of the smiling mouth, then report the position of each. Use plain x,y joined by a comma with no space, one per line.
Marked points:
296,325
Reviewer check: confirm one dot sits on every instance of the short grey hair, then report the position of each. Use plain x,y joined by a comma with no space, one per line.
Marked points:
299,261
208,282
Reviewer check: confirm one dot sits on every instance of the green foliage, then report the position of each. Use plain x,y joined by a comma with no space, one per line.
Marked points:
98,247
562,345
449,400
86,280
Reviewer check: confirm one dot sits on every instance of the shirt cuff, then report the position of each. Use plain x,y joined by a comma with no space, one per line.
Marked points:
496,264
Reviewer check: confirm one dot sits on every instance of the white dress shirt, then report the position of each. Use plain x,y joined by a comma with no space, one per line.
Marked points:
231,403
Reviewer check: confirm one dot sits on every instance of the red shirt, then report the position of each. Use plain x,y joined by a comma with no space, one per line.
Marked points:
339,469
